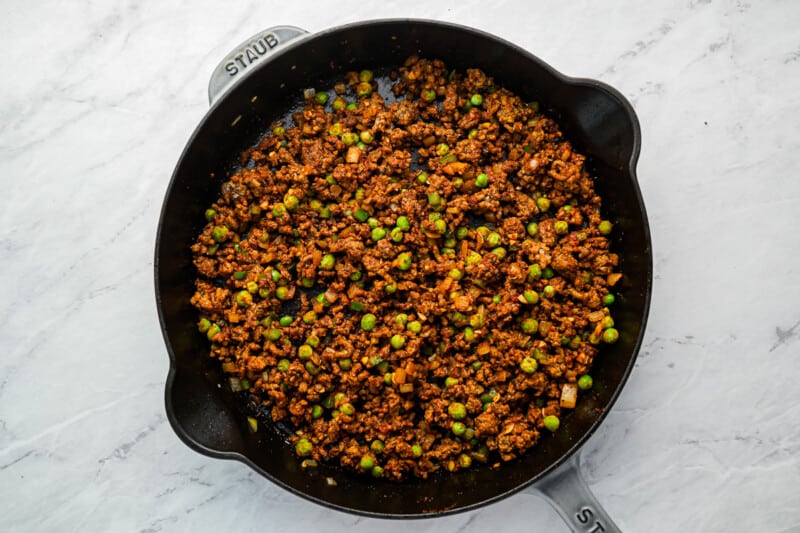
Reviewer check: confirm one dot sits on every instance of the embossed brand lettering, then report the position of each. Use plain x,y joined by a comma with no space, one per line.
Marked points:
585,515
250,54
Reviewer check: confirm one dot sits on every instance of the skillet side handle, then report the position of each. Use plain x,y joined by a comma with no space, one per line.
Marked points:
566,490
249,53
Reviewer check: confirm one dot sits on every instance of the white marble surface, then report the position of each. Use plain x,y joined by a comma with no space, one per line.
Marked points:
96,103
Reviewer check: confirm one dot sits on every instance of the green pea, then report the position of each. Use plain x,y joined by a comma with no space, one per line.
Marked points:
336,128
397,341
530,325
352,106
529,365
608,299
481,180
534,272
473,258
356,306
605,227
456,274
316,411
391,288
476,365
610,336
377,471
378,234
305,351
442,149
355,276
429,95
303,447
543,203
551,422
283,365
531,297
500,252
585,382
244,298
458,428
339,103
461,233
362,146
403,222
497,299
396,235
328,261
434,199
561,227
457,411
366,137
286,321
307,282
575,342
422,177
450,381
363,89
549,291
209,214
469,334
321,98
387,378
368,322
361,215
476,100
401,318
464,460
349,138
367,462
345,364
377,446
312,340
493,239
273,334
415,326
204,326
607,322
219,233
365,76
548,273
279,131
532,228
416,450
347,409
325,212
440,225
404,261
282,293
311,368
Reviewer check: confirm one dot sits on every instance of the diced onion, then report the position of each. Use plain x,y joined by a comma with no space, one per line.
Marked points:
569,395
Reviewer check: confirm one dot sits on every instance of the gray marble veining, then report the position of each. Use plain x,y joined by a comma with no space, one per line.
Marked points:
97,102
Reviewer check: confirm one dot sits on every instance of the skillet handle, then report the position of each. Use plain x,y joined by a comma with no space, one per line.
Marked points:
249,53
566,490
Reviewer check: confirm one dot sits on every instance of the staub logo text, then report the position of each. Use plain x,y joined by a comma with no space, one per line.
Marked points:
251,53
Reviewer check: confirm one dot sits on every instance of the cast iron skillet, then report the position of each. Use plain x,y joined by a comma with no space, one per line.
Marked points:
261,81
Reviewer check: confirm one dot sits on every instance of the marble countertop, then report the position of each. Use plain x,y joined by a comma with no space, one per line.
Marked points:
96,105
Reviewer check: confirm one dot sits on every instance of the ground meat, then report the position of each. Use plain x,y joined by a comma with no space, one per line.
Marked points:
408,284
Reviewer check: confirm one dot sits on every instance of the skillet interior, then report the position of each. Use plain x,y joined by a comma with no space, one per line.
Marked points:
209,419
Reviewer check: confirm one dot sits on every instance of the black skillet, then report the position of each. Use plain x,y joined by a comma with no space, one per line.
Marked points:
260,82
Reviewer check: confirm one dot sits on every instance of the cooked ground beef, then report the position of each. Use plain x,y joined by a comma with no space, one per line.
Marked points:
410,285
